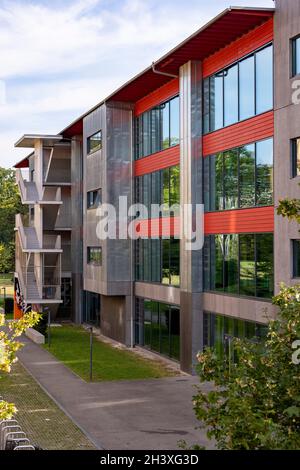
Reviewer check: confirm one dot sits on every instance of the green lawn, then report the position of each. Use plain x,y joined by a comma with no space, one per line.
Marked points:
6,280
70,344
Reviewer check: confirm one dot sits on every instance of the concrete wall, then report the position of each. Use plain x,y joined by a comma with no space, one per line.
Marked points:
113,317
287,126
109,169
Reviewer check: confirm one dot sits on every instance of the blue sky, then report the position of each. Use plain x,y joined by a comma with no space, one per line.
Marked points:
59,58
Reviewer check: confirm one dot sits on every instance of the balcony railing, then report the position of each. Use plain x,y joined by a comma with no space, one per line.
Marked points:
29,239
30,193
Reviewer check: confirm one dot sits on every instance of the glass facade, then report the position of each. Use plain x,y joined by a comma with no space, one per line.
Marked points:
239,178
157,129
157,327
162,188
239,264
296,56
219,330
158,260
239,92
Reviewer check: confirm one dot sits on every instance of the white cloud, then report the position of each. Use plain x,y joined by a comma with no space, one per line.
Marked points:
60,59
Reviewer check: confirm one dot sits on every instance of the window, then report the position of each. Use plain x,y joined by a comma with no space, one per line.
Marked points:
296,258
94,255
94,199
94,142
92,308
264,80
157,327
239,264
295,156
157,129
239,92
219,330
161,187
239,178
158,260
295,56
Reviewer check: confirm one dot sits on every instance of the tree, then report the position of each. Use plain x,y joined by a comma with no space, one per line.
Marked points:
9,346
254,404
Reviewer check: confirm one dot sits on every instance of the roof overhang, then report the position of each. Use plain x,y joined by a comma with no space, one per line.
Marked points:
29,140
228,26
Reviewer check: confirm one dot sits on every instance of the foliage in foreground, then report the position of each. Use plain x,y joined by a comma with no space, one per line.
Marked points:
255,403
9,346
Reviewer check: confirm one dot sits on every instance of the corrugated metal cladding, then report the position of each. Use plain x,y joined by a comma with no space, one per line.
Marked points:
165,226
245,45
257,128
157,161
158,96
258,220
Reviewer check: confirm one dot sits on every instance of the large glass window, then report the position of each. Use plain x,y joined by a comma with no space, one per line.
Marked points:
296,56
157,129
239,264
246,88
264,80
239,92
231,111
264,172
295,158
158,260
161,187
239,178
219,332
157,327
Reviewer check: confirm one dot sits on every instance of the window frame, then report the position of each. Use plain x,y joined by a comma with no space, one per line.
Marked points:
207,181
295,243
208,274
90,150
139,134
94,205
90,250
293,152
223,72
293,56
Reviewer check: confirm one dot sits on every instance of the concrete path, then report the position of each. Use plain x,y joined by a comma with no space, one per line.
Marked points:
138,414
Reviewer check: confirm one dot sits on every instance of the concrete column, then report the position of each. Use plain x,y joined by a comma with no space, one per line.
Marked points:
190,193
77,228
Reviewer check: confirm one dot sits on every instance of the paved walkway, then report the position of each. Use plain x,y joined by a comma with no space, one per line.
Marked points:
138,414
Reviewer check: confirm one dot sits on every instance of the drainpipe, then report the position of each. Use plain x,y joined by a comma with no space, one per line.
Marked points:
163,73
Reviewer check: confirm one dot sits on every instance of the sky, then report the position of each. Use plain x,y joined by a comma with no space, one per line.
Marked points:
60,58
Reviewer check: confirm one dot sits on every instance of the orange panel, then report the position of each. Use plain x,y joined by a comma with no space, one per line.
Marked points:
257,128
158,96
165,226
239,48
157,161
257,220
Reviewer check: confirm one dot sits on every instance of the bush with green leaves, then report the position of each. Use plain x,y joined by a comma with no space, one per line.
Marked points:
9,346
254,404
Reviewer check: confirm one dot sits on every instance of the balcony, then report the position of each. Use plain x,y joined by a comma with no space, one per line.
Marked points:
39,284
29,239
30,194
